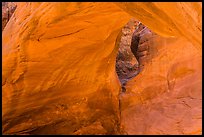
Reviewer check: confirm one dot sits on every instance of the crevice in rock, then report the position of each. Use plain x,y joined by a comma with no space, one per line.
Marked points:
133,54
126,63
133,51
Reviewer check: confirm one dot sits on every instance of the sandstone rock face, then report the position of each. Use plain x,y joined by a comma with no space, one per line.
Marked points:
59,75
174,19
166,97
8,9
126,63
142,44
59,69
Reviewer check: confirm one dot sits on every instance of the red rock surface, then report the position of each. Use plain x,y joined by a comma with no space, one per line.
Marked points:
142,45
58,70
166,97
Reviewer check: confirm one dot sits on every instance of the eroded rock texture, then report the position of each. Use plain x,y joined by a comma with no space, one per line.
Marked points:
8,9
59,69
59,73
166,97
141,45
126,64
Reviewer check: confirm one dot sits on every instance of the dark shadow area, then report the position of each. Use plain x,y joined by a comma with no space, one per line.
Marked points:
133,51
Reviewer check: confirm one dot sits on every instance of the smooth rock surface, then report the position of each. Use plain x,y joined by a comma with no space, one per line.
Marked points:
58,70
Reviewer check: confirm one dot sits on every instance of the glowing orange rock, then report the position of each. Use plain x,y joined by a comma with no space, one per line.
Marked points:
59,68
59,74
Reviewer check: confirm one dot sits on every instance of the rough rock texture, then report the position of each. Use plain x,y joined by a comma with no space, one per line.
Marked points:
135,46
126,63
166,97
8,9
142,44
59,74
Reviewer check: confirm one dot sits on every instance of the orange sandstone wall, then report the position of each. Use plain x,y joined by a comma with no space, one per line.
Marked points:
59,74
166,98
59,68
182,19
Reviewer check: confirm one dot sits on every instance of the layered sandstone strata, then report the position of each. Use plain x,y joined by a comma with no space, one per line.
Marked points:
59,74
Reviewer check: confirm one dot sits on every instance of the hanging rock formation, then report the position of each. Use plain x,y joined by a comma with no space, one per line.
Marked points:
59,73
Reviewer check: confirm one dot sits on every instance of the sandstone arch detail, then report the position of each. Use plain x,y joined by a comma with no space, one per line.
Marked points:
59,74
